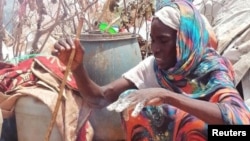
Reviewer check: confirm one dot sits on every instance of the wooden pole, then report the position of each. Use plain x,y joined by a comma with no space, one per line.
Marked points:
62,86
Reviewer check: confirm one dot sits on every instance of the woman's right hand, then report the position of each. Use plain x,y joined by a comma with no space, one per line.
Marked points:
91,92
63,49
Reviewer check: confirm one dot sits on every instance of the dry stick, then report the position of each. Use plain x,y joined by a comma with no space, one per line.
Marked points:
110,24
59,99
136,10
104,10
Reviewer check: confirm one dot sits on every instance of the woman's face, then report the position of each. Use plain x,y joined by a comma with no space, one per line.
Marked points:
163,44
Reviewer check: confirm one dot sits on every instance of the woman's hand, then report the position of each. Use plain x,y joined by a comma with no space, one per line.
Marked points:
139,99
63,49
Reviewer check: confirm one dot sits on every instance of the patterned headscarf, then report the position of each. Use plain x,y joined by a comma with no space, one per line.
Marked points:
199,70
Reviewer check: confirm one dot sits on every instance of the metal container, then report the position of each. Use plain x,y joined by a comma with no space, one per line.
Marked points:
106,58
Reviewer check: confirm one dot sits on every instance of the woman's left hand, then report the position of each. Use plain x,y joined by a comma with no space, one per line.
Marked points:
139,99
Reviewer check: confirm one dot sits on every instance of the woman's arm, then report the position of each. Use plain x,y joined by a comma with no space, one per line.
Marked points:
204,110
223,108
94,94
99,95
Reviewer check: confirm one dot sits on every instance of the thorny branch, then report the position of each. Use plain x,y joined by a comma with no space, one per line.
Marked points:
38,21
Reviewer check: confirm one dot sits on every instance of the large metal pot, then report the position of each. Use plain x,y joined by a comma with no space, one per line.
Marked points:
106,58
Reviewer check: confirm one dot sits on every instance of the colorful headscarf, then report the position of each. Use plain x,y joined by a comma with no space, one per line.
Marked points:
196,62
169,16
212,36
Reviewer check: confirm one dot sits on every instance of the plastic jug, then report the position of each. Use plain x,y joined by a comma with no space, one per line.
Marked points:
32,120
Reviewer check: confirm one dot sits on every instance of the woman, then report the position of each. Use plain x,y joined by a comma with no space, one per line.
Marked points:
175,93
